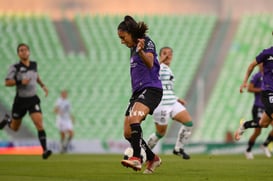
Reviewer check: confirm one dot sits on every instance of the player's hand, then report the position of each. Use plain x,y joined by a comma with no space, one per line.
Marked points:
140,44
164,58
182,101
242,87
45,90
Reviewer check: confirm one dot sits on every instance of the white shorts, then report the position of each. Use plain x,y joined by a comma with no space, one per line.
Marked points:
64,125
163,113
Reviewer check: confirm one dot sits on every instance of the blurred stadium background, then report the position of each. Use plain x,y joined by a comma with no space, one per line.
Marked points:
77,48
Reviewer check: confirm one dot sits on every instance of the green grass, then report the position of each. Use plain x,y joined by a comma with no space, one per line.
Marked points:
72,167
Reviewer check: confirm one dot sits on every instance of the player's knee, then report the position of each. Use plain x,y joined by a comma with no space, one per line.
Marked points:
127,135
160,133
263,124
14,128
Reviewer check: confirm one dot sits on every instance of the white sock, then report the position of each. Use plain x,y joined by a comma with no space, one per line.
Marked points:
182,138
152,141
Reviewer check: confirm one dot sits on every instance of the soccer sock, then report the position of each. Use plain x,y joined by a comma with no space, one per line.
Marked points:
68,140
268,140
129,140
251,124
5,121
149,154
136,133
153,139
250,145
183,135
42,139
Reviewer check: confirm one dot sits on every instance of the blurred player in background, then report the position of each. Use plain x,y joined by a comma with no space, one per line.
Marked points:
24,75
170,107
266,58
254,86
64,120
146,90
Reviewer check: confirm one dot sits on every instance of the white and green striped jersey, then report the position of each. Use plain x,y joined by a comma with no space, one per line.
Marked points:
167,79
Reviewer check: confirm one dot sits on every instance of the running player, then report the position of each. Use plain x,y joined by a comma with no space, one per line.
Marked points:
64,120
170,107
266,58
257,110
24,75
146,89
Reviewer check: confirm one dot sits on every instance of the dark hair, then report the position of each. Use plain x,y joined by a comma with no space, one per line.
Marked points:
137,30
160,51
21,45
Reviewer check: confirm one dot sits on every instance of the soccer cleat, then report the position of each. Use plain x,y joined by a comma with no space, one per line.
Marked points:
182,154
132,162
5,121
46,154
152,164
249,155
239,132
266,151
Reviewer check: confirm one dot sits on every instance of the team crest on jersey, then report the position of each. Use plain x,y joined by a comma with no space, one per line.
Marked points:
270,58
37,107
22,69
271,99
150,45
133,64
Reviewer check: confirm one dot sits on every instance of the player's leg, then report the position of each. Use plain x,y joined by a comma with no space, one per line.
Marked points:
18,112
257,112
144,104
160,117
157,135
181,115
251,143
263,123
62,141
37,119
13,124
68,139
133,133
268,140
5,121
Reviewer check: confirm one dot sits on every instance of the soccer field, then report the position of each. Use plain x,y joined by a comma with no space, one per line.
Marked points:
72,167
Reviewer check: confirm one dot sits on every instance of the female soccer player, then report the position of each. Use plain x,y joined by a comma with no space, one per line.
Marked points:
170,107
24,75
254,87
266,58
146,89
64,120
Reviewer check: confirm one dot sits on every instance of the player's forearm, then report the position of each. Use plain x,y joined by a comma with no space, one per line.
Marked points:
40,82
10,82
146,58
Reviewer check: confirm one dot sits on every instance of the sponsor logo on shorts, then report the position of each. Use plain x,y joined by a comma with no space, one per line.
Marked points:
37,107
270,99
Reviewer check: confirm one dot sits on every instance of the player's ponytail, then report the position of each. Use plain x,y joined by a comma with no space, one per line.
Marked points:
137,30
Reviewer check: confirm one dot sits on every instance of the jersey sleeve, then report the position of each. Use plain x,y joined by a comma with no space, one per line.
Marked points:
11,73
149,45
262,56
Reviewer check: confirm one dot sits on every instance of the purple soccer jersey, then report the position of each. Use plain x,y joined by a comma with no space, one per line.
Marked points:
266,57
256,80
141,76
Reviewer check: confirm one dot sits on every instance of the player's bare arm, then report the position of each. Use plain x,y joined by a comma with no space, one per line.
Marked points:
148,58
248,73
43,86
